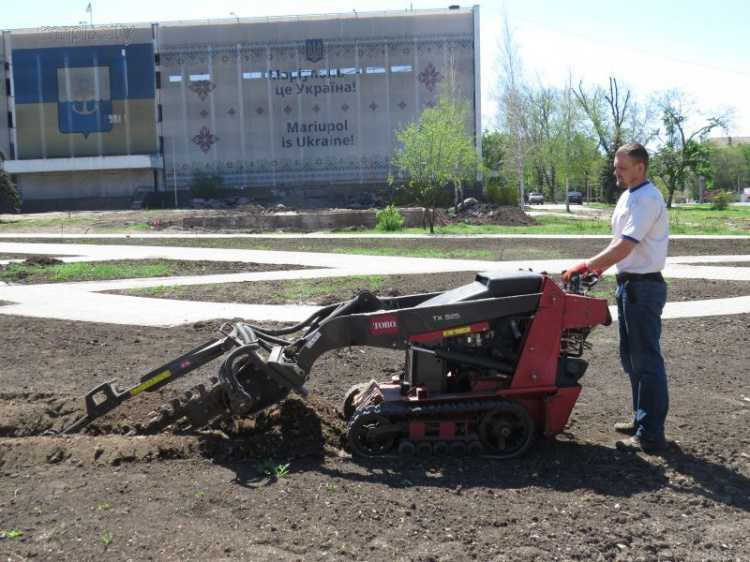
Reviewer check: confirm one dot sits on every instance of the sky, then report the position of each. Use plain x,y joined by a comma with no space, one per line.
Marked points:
648,45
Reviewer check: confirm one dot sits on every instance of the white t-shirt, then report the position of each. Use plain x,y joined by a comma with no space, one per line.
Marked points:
641,216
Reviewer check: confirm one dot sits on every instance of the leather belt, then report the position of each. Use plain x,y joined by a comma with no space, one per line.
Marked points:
625,277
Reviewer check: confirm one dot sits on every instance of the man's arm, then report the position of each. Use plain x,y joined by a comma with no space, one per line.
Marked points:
618,249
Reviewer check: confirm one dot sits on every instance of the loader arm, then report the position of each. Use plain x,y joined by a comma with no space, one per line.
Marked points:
399,326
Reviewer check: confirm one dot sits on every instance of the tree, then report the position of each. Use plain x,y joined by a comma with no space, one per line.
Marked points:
8,191
510,100
494,150
568,115
731,166
543,137
437,150
682,149
615,119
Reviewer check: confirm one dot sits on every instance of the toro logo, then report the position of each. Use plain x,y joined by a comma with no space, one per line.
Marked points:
384,325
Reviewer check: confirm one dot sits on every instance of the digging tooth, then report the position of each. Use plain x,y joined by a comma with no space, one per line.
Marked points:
197,408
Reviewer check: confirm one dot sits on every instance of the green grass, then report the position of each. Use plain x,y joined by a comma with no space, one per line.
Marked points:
303,290
48,222
107,538
139,226
547,224
702,219
269,467
561,223
158,291
81,271
165,291
685,219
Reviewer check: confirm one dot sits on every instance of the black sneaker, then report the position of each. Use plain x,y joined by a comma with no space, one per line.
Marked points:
628,428
638,444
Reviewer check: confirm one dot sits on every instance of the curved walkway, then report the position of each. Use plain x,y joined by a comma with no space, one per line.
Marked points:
85,301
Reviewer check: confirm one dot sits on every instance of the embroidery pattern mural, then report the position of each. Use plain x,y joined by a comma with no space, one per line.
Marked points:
204,139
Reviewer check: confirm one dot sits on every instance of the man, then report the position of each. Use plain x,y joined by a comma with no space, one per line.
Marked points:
638,251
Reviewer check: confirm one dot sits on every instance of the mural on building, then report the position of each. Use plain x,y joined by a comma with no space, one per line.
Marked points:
76,99
303,102
264,111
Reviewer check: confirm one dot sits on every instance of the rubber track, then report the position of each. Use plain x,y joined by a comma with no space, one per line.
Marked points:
406,411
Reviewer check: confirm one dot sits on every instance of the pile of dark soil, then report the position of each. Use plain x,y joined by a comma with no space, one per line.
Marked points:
486,213
292,428
42,261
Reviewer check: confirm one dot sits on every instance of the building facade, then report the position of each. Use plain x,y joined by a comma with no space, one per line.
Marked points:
302,107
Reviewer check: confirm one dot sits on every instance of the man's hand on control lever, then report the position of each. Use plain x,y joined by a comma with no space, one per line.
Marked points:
581,271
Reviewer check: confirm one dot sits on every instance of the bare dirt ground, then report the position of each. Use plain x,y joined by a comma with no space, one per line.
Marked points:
107,495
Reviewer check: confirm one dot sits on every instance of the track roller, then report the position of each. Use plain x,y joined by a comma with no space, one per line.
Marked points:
440,449
407,449
474,448
458,449
424,449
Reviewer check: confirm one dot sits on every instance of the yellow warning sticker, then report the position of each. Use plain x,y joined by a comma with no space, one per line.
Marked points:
151,382
457,331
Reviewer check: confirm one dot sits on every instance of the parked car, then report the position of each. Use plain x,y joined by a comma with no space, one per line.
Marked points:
536,198
575,198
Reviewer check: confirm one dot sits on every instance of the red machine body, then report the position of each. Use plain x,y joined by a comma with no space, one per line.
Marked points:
491,415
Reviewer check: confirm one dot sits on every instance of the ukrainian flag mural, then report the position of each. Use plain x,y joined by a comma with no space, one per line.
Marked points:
96,100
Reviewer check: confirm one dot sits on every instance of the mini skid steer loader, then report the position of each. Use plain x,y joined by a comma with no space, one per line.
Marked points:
487,366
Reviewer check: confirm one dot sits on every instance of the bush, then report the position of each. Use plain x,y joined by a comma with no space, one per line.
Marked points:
205,185
389,219
721,201
501,195
8,191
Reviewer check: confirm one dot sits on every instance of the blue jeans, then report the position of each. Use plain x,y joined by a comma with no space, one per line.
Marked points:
639,307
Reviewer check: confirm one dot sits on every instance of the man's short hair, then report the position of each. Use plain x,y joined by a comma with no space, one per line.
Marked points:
636,151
